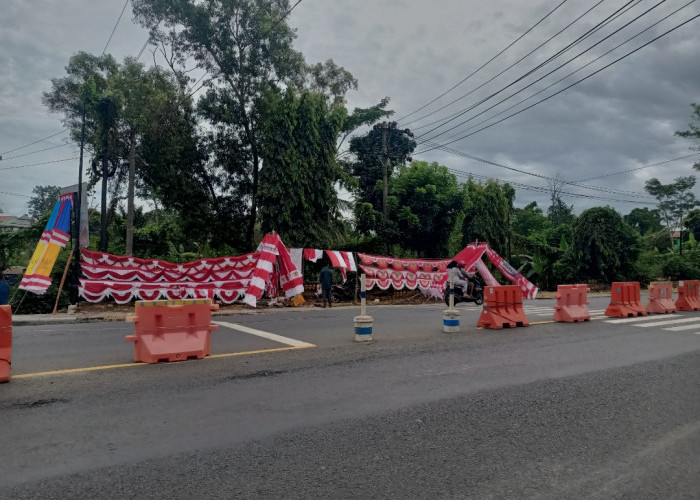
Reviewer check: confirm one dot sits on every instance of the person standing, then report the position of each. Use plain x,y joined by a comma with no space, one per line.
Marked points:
326,279
4,290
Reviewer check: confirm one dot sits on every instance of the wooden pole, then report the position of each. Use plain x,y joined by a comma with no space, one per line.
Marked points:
63,279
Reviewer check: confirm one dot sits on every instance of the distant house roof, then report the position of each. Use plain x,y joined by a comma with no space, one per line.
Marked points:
13,222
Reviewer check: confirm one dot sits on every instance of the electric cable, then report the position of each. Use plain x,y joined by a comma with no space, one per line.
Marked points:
484,64
582,186
567,76
42,163
508,68
575,83
34,152
539,66
546,190
639,168
34,142
115,27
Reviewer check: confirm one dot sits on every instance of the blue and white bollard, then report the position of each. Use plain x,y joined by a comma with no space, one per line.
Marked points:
450,316
363,323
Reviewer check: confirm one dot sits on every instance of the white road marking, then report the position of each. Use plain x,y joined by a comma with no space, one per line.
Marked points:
549,311
681,328
267,335
632,320
669,322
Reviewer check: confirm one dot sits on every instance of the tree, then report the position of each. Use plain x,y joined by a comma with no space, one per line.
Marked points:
297,181
245,48
692,223
87,78
428,201
693,131
558,211
644,220
486,214
604,246
43,200
528,220
675,201
383,146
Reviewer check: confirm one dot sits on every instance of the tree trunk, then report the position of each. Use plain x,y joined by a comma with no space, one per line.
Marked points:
130,193
103,216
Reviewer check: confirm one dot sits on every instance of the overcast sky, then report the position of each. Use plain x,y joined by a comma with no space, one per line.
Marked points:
413,51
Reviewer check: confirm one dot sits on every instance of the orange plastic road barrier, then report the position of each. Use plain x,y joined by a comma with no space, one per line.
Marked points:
572,304
688,299
660,300
503,306
625,300
172,330
5,342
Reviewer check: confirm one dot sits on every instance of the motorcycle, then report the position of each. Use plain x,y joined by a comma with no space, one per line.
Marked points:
343,292
340,293
477,294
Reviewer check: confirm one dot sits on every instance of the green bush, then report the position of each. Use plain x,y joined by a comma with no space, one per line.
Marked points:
676,267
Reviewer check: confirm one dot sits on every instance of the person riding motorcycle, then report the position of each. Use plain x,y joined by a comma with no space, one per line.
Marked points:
463,278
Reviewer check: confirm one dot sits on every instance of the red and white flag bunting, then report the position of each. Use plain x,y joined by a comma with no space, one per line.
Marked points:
312,254
343,260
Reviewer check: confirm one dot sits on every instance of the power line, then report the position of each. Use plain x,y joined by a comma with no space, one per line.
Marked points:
510,67
545,190
281,18
42,163
540,176
15,194
37,151
145,44
541,65
35,142
639,168
483,65
115,27
567,76
573,84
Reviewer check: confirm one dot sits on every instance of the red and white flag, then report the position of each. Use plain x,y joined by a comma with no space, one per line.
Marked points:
312,254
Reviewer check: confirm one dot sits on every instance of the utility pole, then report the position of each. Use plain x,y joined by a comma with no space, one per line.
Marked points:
74,283
107,111
387,129
385,185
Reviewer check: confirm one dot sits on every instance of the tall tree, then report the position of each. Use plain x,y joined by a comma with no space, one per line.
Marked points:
486,214
383,146
87,78
644,220
604,246
244,47
298,198
43,200
693,131
675,201
529,219
428,201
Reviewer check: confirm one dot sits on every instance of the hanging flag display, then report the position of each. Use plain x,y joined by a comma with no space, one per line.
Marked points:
291,279
430,276
529,290
37,277
125,278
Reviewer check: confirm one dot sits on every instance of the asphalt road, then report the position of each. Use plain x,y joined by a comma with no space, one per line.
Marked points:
601,409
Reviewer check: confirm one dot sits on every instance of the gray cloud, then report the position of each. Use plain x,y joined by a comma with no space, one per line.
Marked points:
412,51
